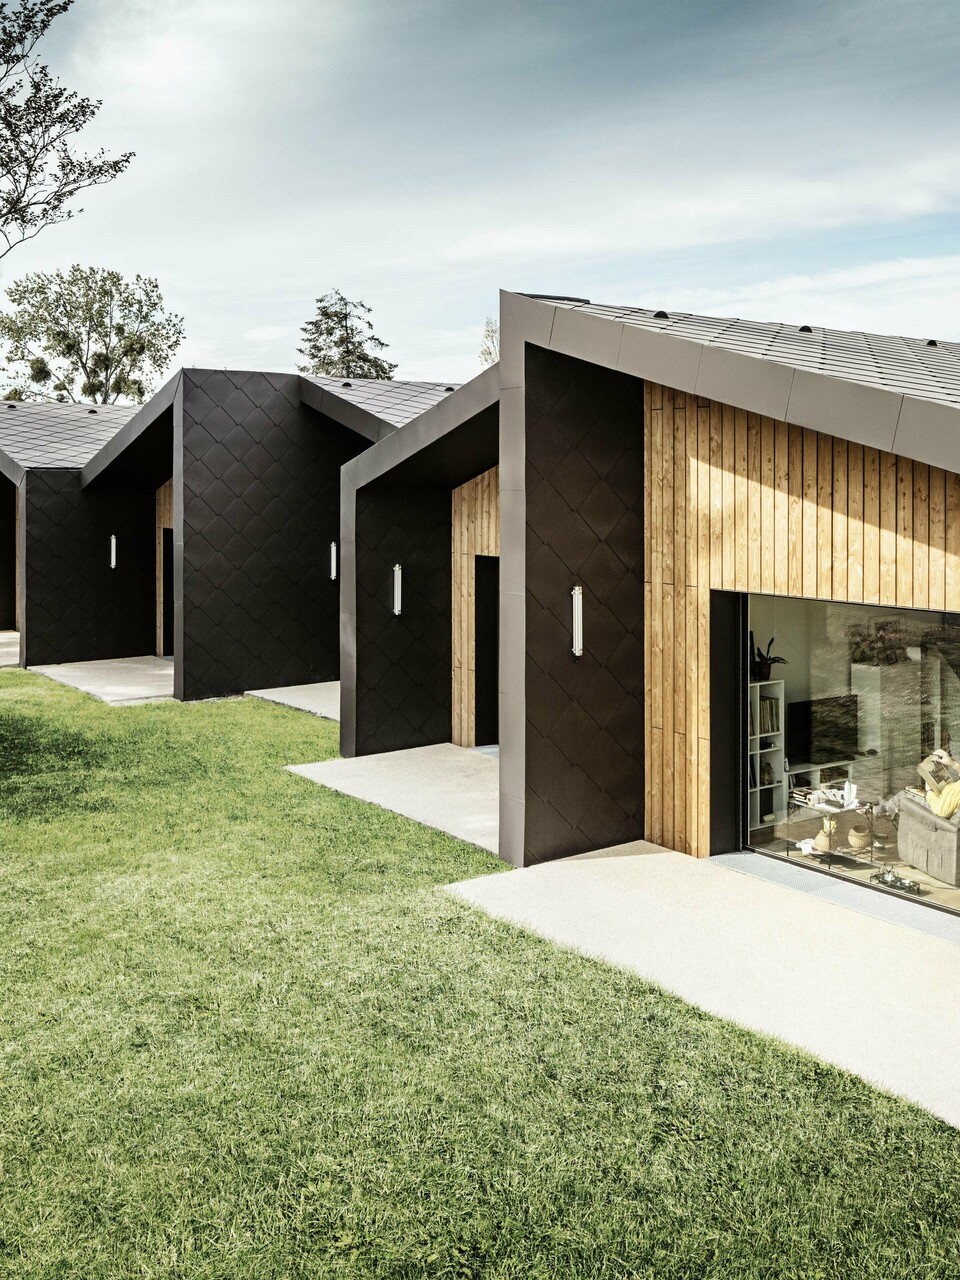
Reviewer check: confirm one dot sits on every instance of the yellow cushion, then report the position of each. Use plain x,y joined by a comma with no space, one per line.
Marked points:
946,804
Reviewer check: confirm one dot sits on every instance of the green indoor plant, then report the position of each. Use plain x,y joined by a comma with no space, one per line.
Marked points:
763,661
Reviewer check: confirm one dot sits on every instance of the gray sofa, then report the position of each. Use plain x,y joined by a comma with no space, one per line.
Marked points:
927,842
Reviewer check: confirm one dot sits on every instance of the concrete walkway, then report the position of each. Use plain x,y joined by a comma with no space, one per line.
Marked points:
447,787
872,997
121,681
320,699
9,648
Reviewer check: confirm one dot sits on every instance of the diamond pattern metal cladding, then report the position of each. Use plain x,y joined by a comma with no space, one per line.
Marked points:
584,718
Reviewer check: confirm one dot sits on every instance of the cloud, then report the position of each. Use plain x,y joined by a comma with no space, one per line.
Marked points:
270,333
420,155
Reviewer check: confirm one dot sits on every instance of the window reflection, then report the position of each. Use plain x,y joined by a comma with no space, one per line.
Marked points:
853,739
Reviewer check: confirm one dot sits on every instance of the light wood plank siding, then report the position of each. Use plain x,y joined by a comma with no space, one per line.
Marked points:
737,500
476,532
164,521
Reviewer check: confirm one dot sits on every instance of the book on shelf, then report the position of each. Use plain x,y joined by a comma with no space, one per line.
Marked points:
769,715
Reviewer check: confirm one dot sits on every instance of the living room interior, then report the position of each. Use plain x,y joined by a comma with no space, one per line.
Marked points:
844,704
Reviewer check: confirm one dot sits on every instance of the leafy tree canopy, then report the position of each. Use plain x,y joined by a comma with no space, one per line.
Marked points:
490,342
39,119
86,334
340,343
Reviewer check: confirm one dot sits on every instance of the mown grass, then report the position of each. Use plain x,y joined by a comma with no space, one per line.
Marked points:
243,1034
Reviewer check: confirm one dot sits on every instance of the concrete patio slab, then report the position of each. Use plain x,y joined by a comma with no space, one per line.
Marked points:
319,699
120,681
9,648
872,997
451,788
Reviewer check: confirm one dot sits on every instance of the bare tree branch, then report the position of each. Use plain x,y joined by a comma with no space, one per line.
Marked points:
39,119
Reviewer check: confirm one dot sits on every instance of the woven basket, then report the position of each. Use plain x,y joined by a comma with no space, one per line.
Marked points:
859,838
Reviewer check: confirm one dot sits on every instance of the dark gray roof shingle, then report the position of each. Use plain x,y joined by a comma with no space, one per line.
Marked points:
395,402
906,366
58,435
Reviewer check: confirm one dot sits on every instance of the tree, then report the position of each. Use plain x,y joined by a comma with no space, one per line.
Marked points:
87,335
490,342
340,343
39,119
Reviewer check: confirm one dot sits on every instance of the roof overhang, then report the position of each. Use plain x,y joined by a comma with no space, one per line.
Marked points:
925,430
344,412
140,455
142,450
448,444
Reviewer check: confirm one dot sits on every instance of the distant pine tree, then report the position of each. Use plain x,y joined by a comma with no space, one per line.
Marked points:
340,343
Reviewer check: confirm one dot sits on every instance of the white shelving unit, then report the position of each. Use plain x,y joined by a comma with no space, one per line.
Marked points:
766,748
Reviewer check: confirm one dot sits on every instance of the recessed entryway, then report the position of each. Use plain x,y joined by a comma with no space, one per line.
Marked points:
475,600
486,649
165,557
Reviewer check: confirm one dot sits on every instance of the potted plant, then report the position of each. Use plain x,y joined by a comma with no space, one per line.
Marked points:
763,661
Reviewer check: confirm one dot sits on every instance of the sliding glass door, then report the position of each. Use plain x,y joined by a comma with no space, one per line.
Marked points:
852,716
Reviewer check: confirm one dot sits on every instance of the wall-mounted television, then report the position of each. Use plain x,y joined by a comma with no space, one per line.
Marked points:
823,730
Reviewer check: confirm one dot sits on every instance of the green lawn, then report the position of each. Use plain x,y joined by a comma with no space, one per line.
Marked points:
244,1034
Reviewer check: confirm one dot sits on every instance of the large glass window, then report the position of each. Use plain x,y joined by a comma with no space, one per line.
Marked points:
853,724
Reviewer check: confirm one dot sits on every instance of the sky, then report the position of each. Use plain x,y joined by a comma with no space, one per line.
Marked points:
765,159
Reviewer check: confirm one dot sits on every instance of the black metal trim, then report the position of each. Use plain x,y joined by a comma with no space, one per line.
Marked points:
727,613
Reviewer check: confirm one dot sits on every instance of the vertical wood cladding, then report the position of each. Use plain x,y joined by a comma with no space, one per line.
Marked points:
476,532
77,608
261,504
403,663
741,502
584,524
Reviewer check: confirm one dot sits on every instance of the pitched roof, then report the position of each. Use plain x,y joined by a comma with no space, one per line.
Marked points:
55,435
395,402
470,451
921,367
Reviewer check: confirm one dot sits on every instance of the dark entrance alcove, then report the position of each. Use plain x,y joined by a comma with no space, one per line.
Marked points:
167,595
487,648
8,555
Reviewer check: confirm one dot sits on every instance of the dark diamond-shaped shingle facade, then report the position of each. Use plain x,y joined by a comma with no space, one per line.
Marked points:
403,663
77,608
584,718
261,504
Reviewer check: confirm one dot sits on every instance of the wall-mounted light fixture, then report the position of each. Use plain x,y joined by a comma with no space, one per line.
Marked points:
397,584
113,551
576,595
333,561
